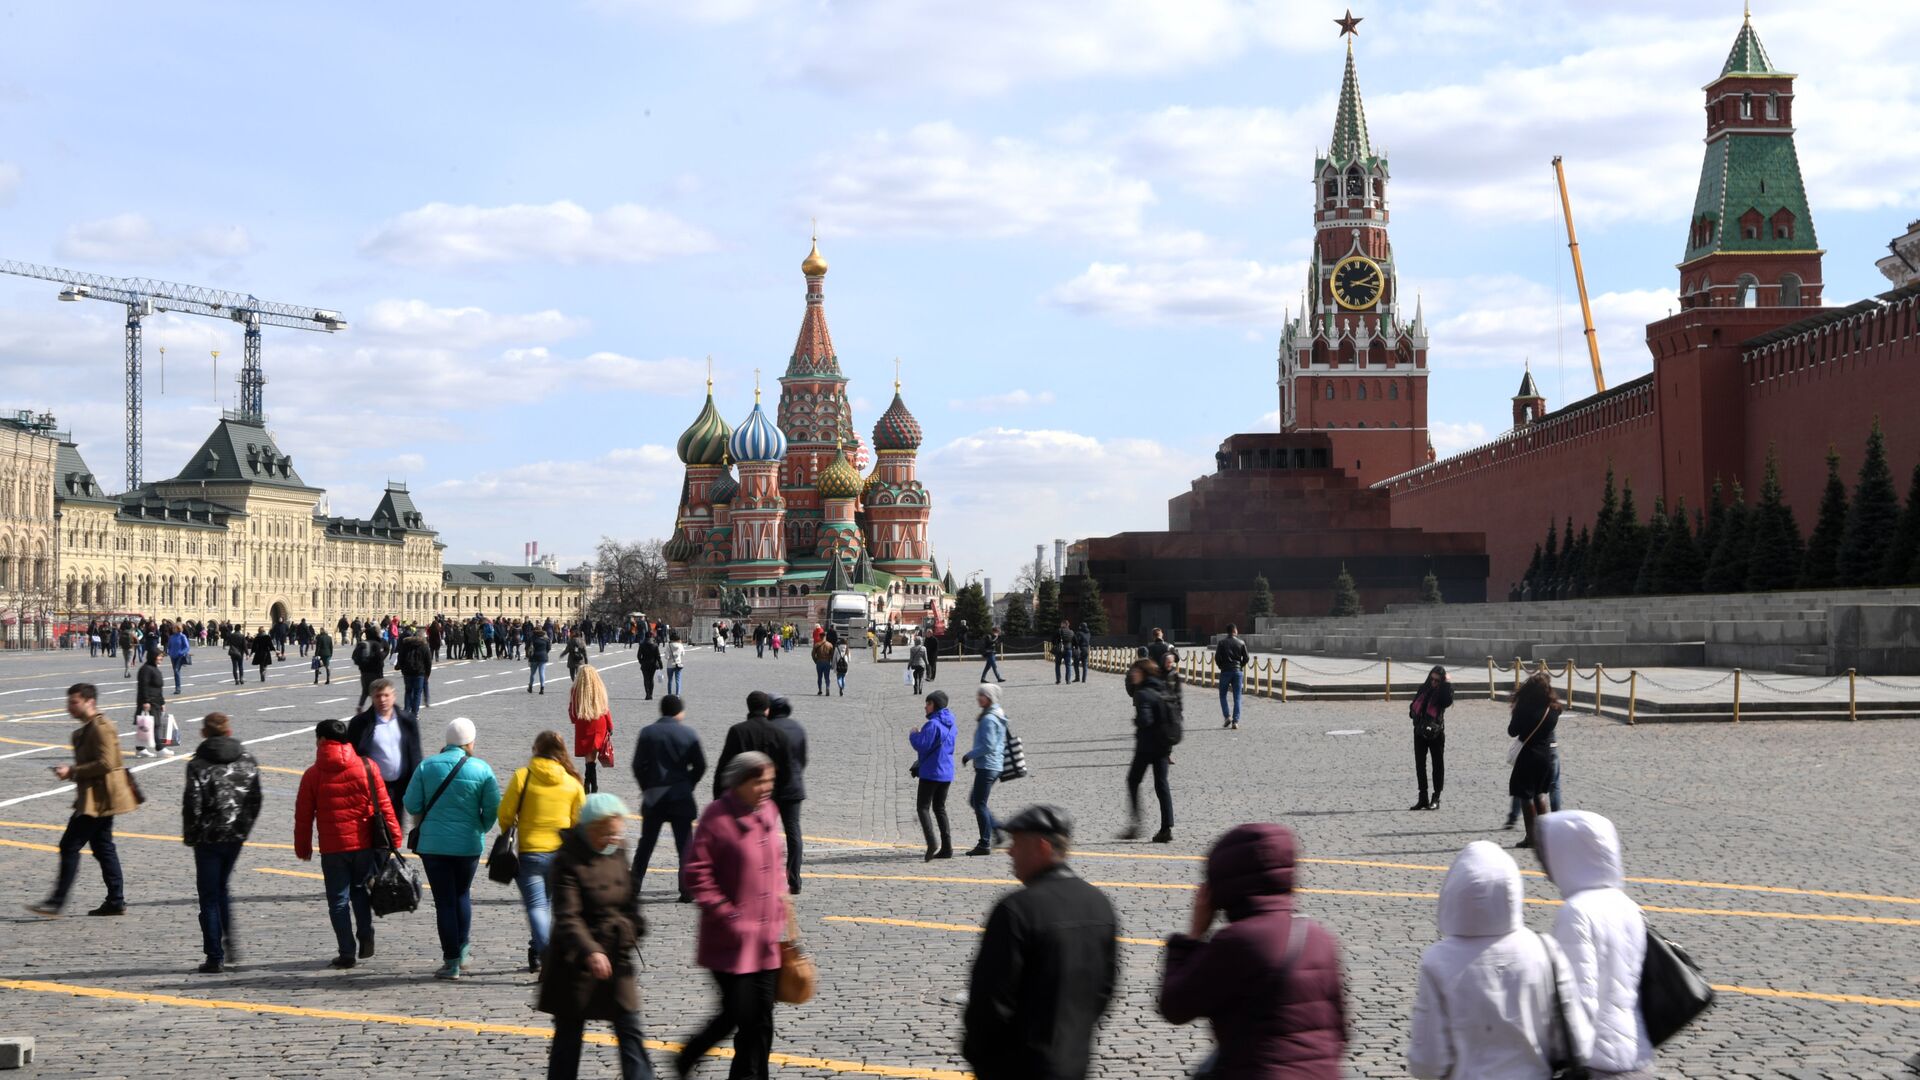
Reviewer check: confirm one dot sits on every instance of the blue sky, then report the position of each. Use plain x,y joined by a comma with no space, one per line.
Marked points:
1078,225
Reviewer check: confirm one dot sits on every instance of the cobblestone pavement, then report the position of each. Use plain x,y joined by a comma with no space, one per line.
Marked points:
1782,854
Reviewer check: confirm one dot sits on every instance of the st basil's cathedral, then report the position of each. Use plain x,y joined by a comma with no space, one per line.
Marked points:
775,517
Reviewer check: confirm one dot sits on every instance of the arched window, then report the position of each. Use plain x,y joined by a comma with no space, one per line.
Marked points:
1360,391
1393,391
1332,187
1746,291
1362,423
1746,106
1789,290
1773,106
1329,391
1356,183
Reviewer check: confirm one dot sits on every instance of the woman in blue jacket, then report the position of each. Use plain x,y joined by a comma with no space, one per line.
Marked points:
454,799
934,741
988,757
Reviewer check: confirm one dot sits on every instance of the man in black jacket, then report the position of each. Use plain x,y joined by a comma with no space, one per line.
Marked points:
370,656
1230,659
416,667
667,763
790,788
389,738
756,732
1063,653
1047,965
649,657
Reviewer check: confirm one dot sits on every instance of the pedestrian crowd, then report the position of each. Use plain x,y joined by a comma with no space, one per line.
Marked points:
1493,998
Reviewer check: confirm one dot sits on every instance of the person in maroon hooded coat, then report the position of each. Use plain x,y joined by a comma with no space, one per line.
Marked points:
1269,980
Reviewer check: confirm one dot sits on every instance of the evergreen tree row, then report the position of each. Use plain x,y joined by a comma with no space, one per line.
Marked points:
1859,541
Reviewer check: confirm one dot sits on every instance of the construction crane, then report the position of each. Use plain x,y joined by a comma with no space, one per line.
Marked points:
146,296
1580,279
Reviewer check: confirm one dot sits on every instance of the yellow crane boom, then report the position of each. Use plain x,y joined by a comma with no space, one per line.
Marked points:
1580,279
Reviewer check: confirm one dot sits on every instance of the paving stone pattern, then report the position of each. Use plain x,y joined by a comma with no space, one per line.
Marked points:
1806,806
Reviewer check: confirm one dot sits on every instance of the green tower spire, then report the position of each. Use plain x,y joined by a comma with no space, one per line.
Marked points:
1748,57
1350,122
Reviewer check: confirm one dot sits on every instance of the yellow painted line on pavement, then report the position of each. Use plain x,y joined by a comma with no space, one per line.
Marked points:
858,1068
1749,991
128,835
25,742
1780,890
29,847
278,769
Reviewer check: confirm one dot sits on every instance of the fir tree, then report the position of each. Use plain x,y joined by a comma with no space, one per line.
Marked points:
1577,564
1430,590
1602,535
1624,550
1261,603
1727,565
1532,577
1903,555
1046,606
1710,528
970,610
1346,598
1872,518
1567,564
1822,568
1550,556
1019,620
1093,613
1775,548
1645,581
1681,565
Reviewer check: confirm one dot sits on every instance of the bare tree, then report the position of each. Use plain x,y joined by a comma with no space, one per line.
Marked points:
633,577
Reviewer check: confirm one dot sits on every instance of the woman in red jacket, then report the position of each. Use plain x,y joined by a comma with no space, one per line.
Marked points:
592,724
1270,978
340,797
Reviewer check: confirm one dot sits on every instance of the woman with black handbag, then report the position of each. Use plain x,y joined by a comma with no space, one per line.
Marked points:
1532,723
1428,712
542,799
1604,935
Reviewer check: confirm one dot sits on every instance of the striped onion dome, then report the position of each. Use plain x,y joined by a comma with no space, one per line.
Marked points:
679,549
873,481
839,480
723,489
896,428
705,443
758,439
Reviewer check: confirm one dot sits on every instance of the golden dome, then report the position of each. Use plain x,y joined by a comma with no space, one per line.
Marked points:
814,265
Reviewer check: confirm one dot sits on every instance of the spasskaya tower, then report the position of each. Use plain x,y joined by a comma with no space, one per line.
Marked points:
1351,365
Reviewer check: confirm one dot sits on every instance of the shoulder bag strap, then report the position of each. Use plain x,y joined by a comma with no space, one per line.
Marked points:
1544,713
374,801
442,789
522,800
1560,1012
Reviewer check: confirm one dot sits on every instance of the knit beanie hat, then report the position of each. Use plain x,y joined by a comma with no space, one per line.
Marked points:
460,732
601,804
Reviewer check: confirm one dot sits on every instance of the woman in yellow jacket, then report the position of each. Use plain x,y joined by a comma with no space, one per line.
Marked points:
541,799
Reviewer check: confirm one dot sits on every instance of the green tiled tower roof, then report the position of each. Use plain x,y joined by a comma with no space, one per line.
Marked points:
1748,57
1350,122
1758,172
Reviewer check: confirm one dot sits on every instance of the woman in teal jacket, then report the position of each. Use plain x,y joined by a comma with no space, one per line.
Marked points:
989,750
455,799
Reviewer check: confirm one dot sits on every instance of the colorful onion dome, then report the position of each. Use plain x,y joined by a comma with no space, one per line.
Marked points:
679,549
757,438
839,480
896,428
814,264
723,489
705,443
873,481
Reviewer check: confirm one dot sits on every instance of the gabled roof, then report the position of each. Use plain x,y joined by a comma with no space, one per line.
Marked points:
241,450
73,479
397,511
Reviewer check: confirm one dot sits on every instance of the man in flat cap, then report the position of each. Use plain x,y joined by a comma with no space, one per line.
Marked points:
1047,965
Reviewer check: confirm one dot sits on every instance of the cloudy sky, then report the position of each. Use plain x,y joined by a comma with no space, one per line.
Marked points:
1078,225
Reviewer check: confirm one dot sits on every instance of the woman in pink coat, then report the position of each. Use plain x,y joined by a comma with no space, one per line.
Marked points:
736,871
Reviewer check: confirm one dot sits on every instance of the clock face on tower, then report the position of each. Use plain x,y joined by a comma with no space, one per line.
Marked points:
1357,282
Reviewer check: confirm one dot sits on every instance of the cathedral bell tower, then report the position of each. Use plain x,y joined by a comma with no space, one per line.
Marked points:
1351,365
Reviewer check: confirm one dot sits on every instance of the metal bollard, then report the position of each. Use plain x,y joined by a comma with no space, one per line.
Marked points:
1633,694
1519,666
1569,684
1736,695
1389,695
1490,693
1852,699
1283,680
1599,672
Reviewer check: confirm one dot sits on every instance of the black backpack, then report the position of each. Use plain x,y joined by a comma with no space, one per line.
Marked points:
1172,720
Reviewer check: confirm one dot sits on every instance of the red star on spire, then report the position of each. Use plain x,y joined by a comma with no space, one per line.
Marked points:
1349,24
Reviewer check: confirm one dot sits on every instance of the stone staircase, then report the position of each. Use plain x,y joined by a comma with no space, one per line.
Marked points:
1787,633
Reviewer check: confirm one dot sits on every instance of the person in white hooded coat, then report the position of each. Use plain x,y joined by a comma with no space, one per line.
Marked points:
1604,936
1484,1008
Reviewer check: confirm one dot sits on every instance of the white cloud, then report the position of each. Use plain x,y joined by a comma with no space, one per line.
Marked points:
9,181
132,238
444,235
1229,292
935,179
465,327
992,403
1058,483
570,484
1449,438
1500,321
667,375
